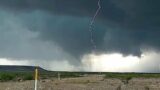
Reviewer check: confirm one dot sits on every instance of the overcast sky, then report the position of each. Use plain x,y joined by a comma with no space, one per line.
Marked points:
55,34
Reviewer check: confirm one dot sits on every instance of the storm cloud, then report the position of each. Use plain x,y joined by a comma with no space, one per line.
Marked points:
123,26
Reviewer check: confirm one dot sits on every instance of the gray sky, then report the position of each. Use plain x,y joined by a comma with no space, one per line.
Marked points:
58,30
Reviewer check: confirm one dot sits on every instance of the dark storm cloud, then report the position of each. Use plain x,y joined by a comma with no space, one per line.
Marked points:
124,26
128,13
71,7
63,7
141,14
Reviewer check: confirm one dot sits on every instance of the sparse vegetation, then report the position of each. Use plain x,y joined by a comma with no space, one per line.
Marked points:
8,76
128,76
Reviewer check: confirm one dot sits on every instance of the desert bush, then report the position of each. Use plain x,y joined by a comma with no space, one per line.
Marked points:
28,77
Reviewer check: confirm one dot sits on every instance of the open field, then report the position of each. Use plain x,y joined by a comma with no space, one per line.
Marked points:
80,81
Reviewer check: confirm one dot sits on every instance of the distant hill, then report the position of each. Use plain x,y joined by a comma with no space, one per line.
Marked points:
10,68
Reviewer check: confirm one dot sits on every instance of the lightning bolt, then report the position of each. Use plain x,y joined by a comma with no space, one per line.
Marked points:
91,28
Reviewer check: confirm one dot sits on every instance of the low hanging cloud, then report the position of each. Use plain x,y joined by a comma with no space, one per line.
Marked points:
59,29
149,62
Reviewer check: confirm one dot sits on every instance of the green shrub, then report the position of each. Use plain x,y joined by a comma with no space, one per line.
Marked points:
6,77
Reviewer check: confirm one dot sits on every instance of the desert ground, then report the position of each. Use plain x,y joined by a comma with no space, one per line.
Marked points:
92,82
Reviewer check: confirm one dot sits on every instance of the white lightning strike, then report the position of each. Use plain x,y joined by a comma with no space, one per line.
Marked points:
91,28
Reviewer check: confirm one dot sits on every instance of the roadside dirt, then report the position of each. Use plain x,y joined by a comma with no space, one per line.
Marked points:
85,83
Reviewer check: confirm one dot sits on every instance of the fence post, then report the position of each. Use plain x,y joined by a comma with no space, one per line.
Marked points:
36,78
59,76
